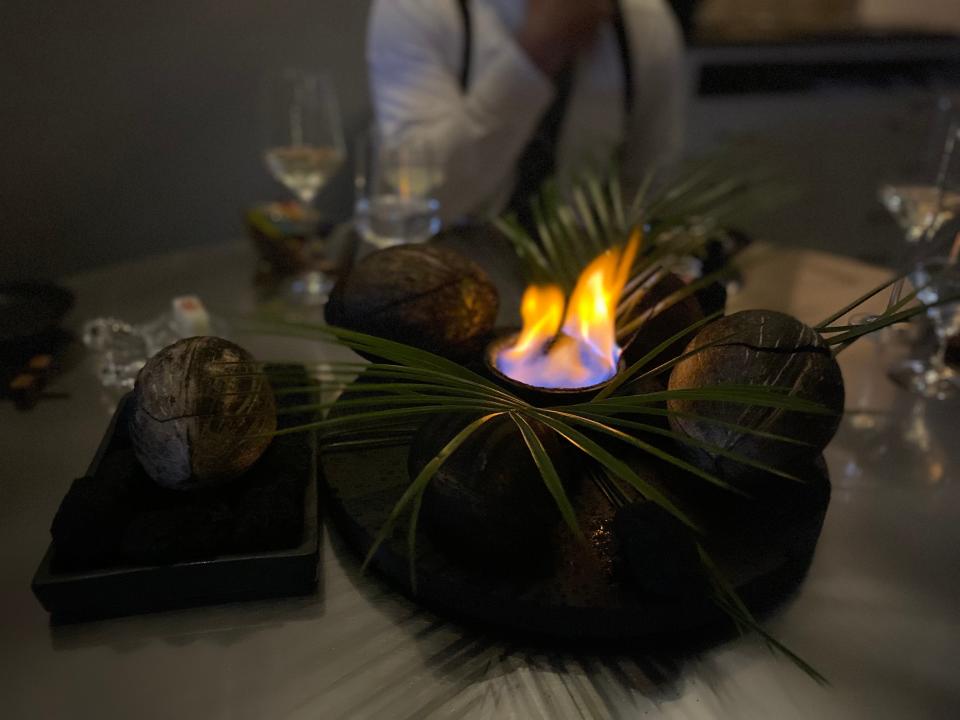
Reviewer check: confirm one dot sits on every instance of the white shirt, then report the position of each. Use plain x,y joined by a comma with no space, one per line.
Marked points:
414,52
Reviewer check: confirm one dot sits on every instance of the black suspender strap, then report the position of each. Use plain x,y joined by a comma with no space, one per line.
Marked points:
626,56
466,59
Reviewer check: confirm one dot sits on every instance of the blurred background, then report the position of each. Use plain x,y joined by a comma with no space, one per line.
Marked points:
132,128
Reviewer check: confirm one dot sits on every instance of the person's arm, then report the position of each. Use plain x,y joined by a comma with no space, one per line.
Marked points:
477,136
656,126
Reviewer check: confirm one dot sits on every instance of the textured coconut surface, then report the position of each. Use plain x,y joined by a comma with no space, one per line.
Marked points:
428,296
768,349
584,591
118,517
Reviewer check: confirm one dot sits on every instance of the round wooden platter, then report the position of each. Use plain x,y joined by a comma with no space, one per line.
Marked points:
583,593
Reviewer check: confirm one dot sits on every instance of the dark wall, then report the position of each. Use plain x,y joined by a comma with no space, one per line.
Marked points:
130,128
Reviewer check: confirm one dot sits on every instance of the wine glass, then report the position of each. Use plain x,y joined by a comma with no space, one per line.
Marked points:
936,279
304,148
396,182
924,192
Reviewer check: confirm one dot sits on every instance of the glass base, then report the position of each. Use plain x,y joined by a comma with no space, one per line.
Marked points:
923,379
309,289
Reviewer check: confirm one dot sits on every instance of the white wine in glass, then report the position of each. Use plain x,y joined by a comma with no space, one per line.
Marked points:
304,169
920,210
304,148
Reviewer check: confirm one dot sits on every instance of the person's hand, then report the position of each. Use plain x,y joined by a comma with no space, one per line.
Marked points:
556,30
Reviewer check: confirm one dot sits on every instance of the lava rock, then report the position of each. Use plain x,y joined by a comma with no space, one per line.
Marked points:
488,504
202,415
759,347
427,296
89,522
658,553
663,325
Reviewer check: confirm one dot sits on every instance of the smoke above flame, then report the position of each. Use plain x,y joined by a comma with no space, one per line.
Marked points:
572,344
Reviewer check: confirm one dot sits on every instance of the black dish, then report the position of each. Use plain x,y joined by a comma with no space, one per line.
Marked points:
587,596
145,549
31,309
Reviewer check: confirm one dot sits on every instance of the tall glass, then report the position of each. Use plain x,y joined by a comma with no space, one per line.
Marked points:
396,183
303,148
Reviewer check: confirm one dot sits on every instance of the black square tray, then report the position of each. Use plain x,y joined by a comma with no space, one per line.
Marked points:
75,596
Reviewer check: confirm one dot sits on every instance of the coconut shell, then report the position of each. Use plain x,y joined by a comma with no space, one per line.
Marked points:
664,324
488,503
427,296
200,417
759,347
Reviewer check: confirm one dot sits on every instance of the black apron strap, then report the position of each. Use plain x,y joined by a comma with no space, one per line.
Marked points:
467,58
538,160
626,57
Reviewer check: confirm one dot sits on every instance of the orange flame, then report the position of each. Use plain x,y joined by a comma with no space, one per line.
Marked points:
583,350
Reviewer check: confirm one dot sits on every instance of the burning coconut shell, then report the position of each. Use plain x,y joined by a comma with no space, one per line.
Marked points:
488,503
661,326
533,394
427,296
759,347
202,415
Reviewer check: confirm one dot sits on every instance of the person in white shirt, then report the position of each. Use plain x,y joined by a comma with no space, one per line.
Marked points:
509,92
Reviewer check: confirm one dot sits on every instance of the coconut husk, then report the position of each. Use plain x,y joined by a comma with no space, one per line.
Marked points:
759,347
201,413
663,325
427,296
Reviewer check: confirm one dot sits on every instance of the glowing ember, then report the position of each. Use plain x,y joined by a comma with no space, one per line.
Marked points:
577,349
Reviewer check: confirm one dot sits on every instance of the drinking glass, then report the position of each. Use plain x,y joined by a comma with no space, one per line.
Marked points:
396,183
935,279
303,148
923,193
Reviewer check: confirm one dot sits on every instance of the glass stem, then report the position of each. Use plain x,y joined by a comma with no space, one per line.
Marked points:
938,362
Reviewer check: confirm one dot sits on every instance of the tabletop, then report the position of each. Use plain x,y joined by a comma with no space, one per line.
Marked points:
878,615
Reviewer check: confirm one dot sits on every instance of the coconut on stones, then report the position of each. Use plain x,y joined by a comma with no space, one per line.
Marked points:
427,296
759,347
662,326
202,413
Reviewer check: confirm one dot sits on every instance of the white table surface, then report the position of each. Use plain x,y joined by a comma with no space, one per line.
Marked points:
879,613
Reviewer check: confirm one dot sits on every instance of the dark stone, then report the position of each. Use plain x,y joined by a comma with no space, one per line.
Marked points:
89,522
191,532
658,553
488,503
428,296
759,347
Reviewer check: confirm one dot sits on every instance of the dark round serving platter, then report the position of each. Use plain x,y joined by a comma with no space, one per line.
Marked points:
764,549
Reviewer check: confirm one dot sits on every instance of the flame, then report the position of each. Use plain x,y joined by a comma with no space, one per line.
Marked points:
581,350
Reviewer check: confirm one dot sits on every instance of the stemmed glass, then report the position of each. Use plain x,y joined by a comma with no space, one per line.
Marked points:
304,148
936,279
923,193
396,182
